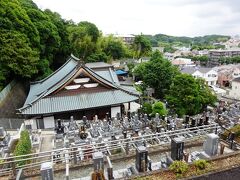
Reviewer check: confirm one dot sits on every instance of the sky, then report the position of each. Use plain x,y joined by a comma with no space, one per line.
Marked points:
171,17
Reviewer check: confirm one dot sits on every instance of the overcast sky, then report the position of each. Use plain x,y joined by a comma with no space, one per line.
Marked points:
172,17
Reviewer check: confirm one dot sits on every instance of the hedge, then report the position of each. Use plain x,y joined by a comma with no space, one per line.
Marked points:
23,147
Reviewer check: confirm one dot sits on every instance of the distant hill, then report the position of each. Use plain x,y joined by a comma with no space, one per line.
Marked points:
207,40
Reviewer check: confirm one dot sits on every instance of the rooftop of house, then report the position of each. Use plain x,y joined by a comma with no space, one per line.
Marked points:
182,61
96,65
191,70
225,50
236,79
227,67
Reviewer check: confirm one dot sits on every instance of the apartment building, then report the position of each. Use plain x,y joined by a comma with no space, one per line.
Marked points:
216,55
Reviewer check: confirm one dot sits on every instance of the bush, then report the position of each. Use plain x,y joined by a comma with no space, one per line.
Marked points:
158,107
147,108
179,167
23,147
200,164
235,129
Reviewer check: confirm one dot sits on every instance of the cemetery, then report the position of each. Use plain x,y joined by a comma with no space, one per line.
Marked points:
81,123
125,146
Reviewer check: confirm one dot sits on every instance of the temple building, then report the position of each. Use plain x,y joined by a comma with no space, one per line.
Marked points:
77,89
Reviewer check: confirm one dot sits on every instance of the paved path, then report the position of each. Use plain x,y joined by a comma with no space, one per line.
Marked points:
47,144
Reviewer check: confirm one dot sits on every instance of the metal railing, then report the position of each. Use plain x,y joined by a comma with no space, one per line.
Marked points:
9,164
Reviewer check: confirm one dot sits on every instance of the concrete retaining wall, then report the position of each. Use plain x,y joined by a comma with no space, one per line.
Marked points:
228,174
12,97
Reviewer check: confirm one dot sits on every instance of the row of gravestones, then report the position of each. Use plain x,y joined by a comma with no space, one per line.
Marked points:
104,127
142,160
136,123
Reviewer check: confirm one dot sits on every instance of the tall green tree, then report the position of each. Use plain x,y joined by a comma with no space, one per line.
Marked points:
97,57
64,49
158,73
16,55
91,29
115,49
48,32
83,39
141,46
189,96
14,17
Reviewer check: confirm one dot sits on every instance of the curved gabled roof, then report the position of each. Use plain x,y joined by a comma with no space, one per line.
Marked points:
39,87
55,81
56,104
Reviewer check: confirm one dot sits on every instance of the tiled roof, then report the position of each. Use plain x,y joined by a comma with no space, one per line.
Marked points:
40,91
98,65
81,101
62,74
236,79
191,70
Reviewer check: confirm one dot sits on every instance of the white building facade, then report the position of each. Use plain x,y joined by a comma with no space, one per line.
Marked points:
208,74
235,91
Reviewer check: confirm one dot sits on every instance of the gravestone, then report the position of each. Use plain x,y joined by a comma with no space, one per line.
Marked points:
47,171
98,162
210,146
168,127
60,128
145,118
193,122
158,129
200,123
124,134
141,159
231,138
187,119
206,120
85,120
177,146
157,119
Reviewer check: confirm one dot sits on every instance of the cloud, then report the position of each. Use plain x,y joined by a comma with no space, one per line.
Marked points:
174,17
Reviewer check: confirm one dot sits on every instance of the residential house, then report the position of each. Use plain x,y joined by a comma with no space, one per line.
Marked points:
169,56
208,74
183,62
235,90
160,49
126,38
226,73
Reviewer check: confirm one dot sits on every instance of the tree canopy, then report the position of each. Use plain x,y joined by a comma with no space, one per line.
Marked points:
158,107
17,56
189,96
201,42
34,42
157,73
141,46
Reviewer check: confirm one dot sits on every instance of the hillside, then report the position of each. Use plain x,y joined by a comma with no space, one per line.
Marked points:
165,40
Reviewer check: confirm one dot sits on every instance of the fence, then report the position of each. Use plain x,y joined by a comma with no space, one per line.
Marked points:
9,164
6,90
10,123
